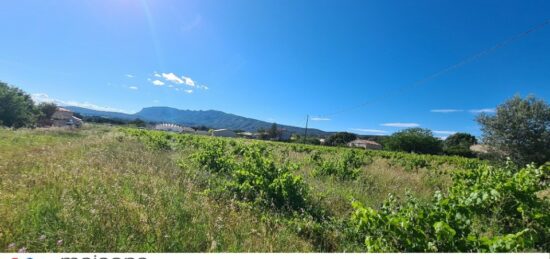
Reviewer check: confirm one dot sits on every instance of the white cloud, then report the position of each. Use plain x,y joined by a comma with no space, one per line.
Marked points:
202,87
443,132
157,74
41,97
319,119
189,91
172,78
133,87
401,124
188,81
170,86
158,82
446,110
372,131
129,75
487,110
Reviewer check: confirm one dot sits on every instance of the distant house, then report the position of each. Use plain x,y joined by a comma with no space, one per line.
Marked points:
169,127
65,118
224,133
366,144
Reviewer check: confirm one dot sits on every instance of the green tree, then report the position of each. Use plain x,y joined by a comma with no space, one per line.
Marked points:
520,130
46,112
340,138
273,131
17,109
416,140
459,144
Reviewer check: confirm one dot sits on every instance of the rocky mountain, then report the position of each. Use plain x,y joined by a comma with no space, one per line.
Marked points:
210,118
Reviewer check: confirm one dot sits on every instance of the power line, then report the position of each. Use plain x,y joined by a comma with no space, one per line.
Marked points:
447,69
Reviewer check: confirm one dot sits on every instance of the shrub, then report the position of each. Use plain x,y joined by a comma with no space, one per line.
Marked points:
348,167
486,210
415,140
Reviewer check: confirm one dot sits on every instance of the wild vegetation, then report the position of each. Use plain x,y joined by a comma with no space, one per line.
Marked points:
123,189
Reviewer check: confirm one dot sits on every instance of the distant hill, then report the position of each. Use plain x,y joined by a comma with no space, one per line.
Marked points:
210,118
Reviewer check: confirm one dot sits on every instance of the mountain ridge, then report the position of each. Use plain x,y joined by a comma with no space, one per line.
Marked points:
209,118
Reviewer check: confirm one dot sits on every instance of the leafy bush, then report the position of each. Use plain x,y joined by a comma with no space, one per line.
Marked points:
459,144
486,210
415,140
348,167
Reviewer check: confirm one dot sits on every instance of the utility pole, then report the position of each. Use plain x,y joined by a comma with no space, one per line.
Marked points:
305,133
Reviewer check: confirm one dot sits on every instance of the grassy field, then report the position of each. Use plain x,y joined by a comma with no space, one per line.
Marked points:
106,189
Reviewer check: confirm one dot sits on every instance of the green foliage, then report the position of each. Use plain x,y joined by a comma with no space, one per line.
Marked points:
340,139
254,176
486,210
348,167
520,130
17,109
459,144
46,112
415,140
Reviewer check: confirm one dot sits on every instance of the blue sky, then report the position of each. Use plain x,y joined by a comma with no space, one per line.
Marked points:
281,60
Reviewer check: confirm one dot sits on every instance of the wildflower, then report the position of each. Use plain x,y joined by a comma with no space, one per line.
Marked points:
60,242
42,238
11,246
22,250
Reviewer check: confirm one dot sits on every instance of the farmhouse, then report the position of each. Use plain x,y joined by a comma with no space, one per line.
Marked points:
366,144
65,118
224,133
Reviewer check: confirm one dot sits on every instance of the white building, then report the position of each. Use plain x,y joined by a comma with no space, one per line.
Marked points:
366,144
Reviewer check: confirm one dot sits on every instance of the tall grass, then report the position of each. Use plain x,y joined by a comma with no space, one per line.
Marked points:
99,189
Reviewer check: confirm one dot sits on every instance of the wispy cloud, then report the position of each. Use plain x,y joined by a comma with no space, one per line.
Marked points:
41,97
158,83
401,124
188,81
487,110
133,88
189,91
129,75
172,78
371,131
446,110
443,132
319,119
